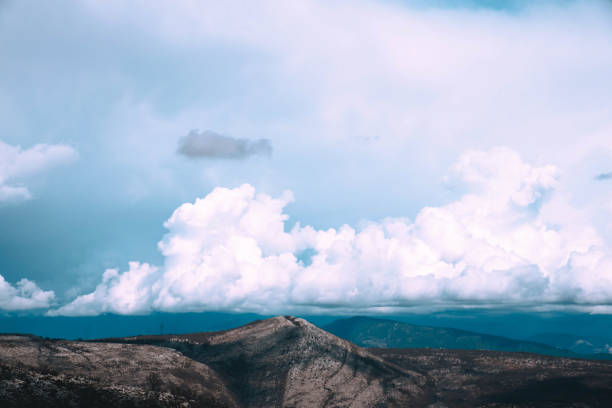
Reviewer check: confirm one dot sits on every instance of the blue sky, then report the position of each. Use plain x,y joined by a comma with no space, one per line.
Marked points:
454,148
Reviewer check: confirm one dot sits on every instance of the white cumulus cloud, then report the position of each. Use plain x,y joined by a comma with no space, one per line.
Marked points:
17,163
512,239
25,295
129,292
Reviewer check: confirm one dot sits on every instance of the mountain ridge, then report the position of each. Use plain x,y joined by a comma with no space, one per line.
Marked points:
286,361
387,333
305,360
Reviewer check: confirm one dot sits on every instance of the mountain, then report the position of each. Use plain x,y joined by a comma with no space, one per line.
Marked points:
478,378
383,333
577,344
35,372
286,362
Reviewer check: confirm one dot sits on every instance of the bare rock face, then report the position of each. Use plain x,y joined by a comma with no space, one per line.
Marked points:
286,361
37,372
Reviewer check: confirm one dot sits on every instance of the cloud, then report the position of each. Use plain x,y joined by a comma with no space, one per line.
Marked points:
17,163
603,176
428,82
503,243
129,292
25,295
212,145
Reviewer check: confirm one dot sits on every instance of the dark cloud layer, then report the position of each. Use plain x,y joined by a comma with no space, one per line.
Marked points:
604,176
209,144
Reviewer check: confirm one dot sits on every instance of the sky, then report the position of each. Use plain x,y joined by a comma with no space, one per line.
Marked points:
305,157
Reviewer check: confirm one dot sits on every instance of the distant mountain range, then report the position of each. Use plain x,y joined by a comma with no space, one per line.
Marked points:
385,333
286,362
579,344
581,329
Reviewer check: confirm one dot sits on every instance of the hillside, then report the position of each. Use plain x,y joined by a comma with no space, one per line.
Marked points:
384,333
50,373
286,362
596,345
476,378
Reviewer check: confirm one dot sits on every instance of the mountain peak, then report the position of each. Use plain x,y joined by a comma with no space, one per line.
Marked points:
288,361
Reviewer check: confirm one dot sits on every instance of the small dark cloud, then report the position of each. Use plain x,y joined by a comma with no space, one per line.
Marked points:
212,145
604,176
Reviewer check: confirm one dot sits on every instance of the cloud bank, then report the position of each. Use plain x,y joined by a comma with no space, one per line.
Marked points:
25,295
512,240
212,145
17,163
369,90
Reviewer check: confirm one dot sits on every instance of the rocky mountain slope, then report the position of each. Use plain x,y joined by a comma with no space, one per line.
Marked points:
384,333
471,378
286,362
48,373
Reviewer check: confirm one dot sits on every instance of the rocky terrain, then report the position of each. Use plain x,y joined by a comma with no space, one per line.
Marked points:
470,378
286,362
49,373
